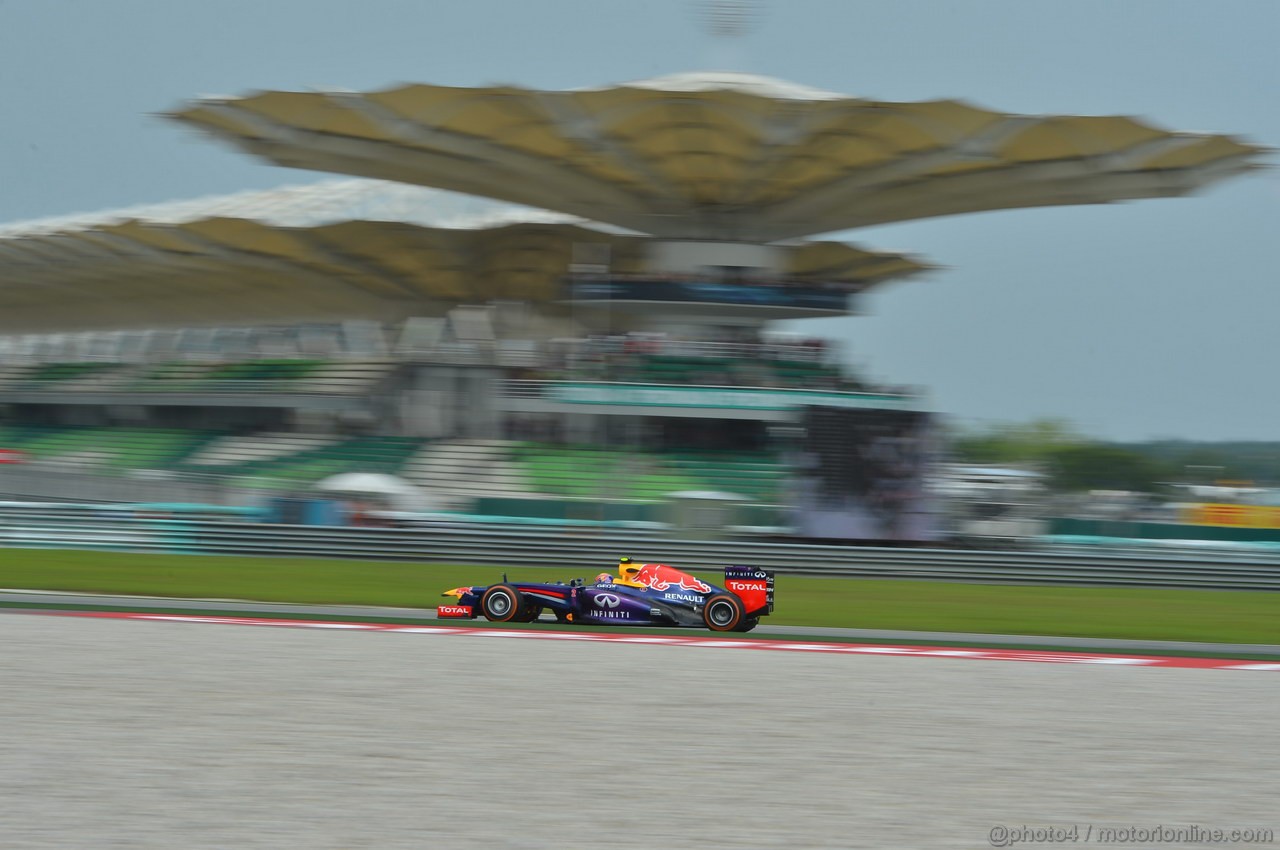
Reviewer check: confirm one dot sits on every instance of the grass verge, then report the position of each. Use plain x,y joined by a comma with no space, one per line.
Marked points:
1101,612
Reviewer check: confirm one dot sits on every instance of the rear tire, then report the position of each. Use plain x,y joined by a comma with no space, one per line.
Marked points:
723,613
502,603
748,624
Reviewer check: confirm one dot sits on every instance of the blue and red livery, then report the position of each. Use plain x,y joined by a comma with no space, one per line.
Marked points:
647,595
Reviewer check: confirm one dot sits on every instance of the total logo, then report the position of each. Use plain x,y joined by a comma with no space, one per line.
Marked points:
453,610
744,585
606,600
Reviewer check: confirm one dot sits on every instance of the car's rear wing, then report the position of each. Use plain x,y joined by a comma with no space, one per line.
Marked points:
753,586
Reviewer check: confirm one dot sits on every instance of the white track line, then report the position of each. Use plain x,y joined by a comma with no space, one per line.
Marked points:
975,653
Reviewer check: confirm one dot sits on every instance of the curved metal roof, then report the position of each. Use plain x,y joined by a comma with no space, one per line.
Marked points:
721,156
289,255
306,205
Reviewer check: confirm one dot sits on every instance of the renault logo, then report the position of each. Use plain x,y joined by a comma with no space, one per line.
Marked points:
607,600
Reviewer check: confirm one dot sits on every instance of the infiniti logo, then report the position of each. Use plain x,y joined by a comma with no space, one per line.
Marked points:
607,600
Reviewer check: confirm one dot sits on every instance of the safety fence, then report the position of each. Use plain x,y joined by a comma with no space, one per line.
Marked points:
592,550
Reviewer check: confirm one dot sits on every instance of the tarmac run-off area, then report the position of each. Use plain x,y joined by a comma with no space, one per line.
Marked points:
161,731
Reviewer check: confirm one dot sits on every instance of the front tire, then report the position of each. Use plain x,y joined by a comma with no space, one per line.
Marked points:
723,613
502,603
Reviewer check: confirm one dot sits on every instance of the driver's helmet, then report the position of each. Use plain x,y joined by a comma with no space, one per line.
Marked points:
604,578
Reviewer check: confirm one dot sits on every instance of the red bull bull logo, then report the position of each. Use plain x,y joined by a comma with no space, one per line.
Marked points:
662,577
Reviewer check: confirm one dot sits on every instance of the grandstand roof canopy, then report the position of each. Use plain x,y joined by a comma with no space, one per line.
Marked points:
723,155
292,255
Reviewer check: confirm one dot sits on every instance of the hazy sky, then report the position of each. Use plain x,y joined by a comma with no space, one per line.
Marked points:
1152,318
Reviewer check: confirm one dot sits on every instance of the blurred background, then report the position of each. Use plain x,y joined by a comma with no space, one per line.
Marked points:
956,316
781,259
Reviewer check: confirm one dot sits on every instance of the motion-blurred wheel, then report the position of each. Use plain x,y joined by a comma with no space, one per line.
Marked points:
723,613
502,603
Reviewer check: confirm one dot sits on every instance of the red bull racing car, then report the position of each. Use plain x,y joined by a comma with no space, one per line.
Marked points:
641,595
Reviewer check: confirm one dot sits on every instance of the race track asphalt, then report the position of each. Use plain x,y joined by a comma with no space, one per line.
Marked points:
150,734
766,627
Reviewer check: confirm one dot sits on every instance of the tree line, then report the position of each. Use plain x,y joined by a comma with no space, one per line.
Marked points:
1072,461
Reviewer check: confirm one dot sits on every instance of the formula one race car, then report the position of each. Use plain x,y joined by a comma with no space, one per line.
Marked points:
642,595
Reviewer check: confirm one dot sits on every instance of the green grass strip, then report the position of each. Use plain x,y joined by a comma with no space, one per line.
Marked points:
1098,612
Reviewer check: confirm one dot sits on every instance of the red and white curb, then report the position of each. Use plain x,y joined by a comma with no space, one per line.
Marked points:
975,654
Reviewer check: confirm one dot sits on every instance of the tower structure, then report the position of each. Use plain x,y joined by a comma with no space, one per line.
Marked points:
722,172
693,205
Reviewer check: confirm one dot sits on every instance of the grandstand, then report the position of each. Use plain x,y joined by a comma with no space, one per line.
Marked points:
589,353
503,477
